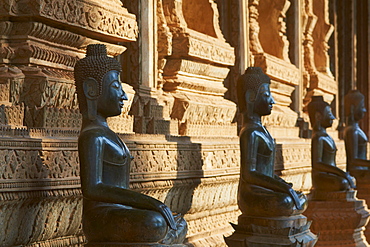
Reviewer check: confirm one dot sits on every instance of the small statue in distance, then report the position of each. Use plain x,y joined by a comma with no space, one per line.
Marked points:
261,192
112,213
355,139
326,176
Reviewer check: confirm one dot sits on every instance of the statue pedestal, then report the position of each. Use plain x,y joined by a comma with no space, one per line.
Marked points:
363,191
105,244
338,217
274,232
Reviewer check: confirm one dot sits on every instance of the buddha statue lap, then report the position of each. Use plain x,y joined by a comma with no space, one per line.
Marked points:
261,192
112,213
355,139
326,176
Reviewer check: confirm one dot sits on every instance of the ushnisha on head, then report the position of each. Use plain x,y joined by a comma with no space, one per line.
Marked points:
320,113
91,70
354,105
253,91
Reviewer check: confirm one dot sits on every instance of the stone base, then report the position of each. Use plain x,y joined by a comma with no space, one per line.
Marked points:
131,244
339,220
272,232
363,192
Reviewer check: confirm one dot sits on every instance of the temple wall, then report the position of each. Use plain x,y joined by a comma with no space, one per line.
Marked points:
180,61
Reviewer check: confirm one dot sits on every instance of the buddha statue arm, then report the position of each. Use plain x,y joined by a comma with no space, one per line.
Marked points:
351,142
251,175
320,166
91,149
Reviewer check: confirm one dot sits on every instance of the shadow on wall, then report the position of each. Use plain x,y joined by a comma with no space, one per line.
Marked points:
189,173
32,209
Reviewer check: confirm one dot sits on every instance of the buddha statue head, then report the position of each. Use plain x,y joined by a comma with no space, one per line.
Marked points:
320,113
253,91
354,106
96,77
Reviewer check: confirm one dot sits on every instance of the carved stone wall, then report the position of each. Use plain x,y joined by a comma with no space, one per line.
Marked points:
177,122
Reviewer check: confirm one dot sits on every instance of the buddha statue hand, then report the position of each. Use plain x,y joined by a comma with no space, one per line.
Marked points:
351,180
296,199
176,236
167,214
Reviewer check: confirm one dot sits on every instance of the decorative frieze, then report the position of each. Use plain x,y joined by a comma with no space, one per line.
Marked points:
105,17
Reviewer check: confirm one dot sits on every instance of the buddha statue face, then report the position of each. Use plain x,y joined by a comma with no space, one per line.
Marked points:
253,90
327,117
264,100
110,102
320,113
354,105
359,110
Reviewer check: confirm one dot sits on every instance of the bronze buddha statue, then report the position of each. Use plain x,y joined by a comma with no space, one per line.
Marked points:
261,192
326,176
112,213
355,139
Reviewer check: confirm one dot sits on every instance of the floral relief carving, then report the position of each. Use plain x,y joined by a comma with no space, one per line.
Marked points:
36,164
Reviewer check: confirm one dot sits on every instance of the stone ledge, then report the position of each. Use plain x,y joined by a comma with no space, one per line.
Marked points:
88,17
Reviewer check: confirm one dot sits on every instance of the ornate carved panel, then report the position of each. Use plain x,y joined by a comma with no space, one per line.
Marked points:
269,47
196,68
272,32
316,33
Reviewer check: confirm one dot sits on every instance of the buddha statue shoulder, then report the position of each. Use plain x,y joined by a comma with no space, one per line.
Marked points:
326,176
261,192
112,213
355,139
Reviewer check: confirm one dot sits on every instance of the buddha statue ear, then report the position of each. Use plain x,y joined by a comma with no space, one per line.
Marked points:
318,118
352,112
91,91
250,99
